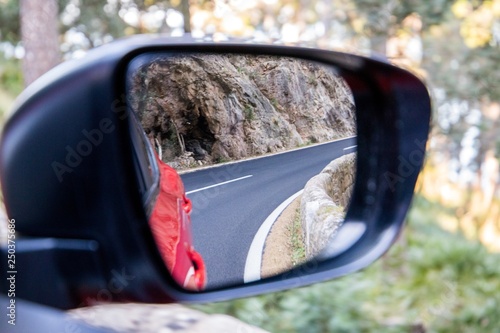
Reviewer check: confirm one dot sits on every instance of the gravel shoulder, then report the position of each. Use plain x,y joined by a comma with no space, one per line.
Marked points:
278,252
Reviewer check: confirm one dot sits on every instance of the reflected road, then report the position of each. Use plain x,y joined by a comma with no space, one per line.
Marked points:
231,201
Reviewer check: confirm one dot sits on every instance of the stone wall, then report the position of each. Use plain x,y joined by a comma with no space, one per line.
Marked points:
323,204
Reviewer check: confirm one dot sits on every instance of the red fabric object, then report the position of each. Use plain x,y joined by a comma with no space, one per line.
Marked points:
170,223
200,272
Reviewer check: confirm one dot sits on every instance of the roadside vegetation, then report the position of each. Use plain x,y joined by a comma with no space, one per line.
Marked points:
443,275
297,239
5,102
432,280
10,86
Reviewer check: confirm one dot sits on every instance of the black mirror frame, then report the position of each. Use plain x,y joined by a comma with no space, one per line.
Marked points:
81,228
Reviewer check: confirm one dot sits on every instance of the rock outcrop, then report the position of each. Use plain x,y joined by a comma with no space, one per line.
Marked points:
158,318
224,107
325,198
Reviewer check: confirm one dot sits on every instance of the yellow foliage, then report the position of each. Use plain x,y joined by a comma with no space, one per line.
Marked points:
461,8
174,3
477,25
495,8
129,31
477,28
467,210
358,24
436,31
475,35
490,231
448,222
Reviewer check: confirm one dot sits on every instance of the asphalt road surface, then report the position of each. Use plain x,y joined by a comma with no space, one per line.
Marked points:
231,201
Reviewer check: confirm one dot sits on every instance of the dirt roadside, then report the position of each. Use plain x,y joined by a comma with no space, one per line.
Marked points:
278,250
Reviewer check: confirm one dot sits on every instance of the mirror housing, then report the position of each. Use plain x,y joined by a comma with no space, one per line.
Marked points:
69,182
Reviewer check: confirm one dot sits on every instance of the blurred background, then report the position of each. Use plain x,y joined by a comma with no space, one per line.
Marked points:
443,275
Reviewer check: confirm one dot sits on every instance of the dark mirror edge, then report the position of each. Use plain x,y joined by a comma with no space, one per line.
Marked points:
394,127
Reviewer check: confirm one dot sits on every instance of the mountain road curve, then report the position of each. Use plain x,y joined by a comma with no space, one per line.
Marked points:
231,201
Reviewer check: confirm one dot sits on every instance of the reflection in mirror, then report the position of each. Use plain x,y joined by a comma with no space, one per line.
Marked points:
265,147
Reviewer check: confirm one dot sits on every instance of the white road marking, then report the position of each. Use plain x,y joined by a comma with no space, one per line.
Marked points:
254,257
219,184
351,147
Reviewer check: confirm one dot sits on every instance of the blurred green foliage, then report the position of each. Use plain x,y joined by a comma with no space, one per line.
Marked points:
430,281
11,78
9,18
11,84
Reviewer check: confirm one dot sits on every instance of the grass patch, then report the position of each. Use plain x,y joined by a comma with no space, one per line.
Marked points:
297,240
221,159
331,210
249,113
274,103
312,80
305,144
6,101
11,77
276,123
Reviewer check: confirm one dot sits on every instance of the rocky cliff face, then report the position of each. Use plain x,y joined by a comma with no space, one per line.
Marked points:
222,107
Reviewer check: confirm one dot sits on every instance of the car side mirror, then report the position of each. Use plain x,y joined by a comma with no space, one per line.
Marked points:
158,170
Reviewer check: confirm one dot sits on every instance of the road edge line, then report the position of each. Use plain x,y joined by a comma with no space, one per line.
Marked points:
254,257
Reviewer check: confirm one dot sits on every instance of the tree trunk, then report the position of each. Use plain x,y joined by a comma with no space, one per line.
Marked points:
40,37
187,16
